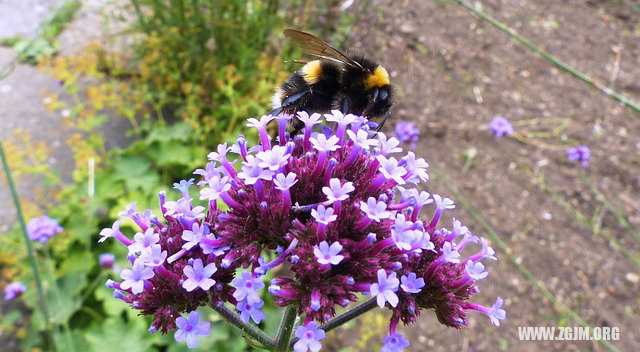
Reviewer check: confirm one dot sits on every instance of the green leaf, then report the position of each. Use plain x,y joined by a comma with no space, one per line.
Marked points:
64,302
116,335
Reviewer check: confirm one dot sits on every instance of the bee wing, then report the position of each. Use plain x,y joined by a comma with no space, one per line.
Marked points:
311,45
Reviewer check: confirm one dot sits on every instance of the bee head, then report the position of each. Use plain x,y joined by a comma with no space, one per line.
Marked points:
379,92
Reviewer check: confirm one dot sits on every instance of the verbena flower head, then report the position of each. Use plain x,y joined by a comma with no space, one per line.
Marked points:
500,126
407,132
343,212
43,228
14,290
581,153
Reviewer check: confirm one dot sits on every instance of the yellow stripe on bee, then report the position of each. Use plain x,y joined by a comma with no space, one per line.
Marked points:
311,71
377,79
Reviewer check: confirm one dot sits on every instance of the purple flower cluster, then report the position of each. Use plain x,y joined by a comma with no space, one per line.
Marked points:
581,153
43,228
407,132
334,203
500,126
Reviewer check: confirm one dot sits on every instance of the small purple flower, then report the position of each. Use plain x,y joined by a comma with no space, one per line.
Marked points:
416,168
407,132
328,254
190,328
391,170
182,207
581,153
411,284
336,191
385,288
14,290
443,204
496,313
106,260
42,228
394,343
107,233
248,311
252,171
340,118
500,126
183,187
247,288
375,210
134,277
321,143
259,124
153,256
207,248
144,240
129,210
309,120
199,276
220,155
195,235
476,270
309,337
283,182
361,138
217,186
273,159
388,146
450,254
323,215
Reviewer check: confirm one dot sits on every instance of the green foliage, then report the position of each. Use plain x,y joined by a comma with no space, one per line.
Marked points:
210,62
31,50
82,309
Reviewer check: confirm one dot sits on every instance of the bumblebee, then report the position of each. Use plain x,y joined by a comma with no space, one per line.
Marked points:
353,85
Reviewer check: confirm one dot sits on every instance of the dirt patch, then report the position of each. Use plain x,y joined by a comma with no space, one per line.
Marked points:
454,73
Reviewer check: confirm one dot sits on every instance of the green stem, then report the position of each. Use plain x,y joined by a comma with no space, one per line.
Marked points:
621,218
286,327
246,328
345,317
556,61
23,226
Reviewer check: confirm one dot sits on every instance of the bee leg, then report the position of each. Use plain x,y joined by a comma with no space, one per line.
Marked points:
345,106
384,119
276,111
294,98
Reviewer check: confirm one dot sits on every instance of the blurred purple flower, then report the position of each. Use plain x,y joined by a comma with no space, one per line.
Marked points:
43,228
106,260
407,132
581,153
14,290
500,126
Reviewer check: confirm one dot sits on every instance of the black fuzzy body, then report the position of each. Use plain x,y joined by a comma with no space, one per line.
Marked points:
339,87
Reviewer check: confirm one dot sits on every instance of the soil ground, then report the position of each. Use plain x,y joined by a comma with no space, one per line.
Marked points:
454,73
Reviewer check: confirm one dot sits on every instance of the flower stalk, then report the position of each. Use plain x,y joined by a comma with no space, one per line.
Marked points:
286,327
250,330
23,227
